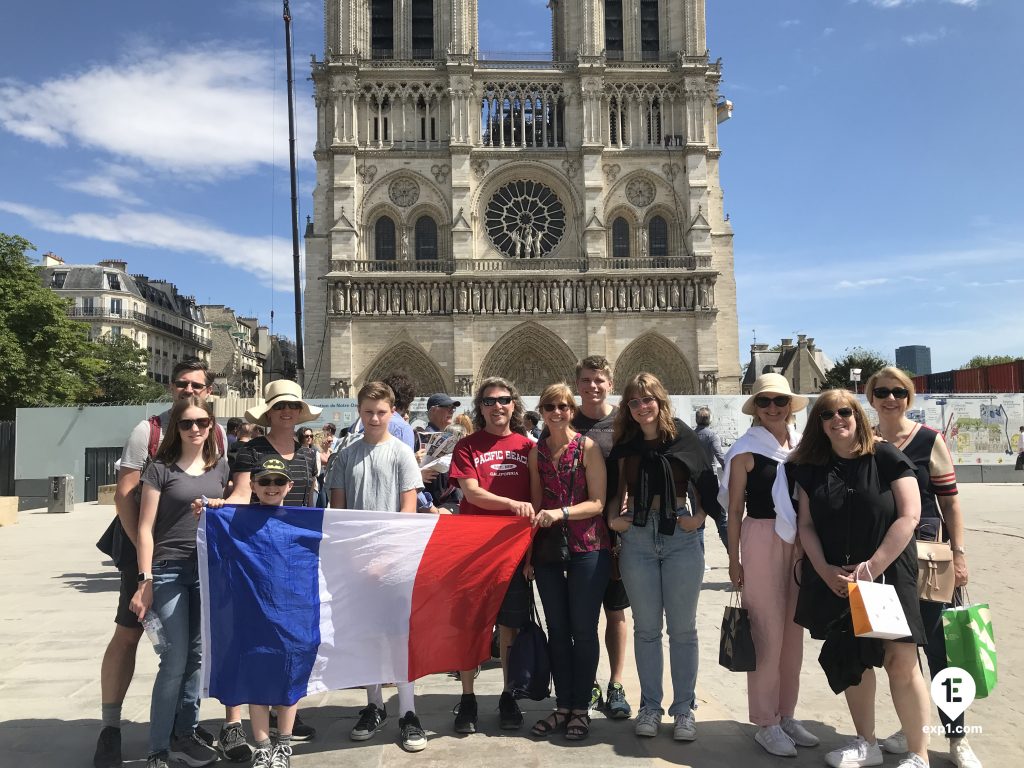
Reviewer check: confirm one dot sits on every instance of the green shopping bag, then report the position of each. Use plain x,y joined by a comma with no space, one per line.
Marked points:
971,644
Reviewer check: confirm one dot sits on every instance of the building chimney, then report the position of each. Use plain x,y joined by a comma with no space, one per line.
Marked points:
786,344
758,347
51,259
810,343
801,340
115,264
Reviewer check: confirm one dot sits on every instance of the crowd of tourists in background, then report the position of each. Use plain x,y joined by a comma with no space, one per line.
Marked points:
620,497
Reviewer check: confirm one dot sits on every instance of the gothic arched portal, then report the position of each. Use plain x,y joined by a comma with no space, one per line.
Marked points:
531,356
653,353
410,359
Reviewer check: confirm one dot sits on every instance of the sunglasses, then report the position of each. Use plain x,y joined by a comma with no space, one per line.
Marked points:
186,424
186,384
780,400
899,393
636,402
291,406
490,401
265,481
308,436
551,407
843,412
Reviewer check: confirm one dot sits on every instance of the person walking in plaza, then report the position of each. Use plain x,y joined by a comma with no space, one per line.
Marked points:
891,392
282,410
763,550
189,378
491,467
1020,450
716,460
858,507
271,484
188,464
380,473
568,480
595,418
657,458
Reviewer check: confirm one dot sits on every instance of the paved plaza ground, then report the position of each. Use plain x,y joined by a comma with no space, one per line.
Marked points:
57,605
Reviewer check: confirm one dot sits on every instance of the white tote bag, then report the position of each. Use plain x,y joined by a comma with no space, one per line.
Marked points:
876,610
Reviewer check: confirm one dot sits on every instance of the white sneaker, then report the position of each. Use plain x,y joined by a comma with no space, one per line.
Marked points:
647,722
854,755
775,741
685,728
798,733
962,754
895,744
913,760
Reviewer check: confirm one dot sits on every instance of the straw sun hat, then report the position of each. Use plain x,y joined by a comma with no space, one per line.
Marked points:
773,384
281,391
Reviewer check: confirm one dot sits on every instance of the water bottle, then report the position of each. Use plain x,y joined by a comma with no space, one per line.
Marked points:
155,630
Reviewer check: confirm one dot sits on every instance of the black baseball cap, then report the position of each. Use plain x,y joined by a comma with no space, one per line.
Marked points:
442,400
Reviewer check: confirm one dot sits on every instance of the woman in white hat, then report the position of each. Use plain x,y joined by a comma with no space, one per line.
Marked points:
282,409
762,553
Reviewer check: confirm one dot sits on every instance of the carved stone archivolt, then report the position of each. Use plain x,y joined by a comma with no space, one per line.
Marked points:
640,192
522,297
404,192
656,354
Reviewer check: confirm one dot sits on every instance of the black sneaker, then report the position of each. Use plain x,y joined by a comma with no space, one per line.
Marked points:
300,730
108,748
192,751
413,737
159,760
233,746
204,735
616,705
465,714
510,715
371,720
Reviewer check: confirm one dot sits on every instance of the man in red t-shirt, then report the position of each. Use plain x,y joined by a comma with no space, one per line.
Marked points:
490,467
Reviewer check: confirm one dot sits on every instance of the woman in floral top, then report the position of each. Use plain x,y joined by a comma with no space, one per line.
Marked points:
571,558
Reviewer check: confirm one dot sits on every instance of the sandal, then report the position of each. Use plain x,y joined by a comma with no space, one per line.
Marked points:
550,724
578,726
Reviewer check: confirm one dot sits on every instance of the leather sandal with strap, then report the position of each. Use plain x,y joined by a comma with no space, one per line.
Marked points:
578,726
553,722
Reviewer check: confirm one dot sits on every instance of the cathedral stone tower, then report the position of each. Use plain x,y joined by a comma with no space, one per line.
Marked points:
484,214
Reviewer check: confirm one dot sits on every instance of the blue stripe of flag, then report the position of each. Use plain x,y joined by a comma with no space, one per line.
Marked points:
264,631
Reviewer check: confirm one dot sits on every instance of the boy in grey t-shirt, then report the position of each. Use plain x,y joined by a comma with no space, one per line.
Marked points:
379,473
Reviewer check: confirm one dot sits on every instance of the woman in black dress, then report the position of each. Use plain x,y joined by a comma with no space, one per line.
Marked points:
858,508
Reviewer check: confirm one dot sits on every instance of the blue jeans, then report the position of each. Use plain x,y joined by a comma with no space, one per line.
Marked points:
175,704
663,575
572,595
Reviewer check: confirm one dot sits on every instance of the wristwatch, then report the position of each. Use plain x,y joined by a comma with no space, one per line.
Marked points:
144,577
959,550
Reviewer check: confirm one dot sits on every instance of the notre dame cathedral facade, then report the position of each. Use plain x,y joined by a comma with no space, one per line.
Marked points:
483,214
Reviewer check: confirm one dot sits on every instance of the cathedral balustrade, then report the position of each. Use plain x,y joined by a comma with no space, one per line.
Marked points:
627,294
452,266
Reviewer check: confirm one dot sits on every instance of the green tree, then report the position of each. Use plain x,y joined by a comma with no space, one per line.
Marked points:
123,377
867,360
980,361
47,358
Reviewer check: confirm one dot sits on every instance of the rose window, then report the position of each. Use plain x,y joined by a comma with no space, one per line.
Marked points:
525,219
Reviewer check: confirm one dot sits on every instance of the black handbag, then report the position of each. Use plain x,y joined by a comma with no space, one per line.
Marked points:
736,645
529,661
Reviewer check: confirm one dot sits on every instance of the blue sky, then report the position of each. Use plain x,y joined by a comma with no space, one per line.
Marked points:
871,170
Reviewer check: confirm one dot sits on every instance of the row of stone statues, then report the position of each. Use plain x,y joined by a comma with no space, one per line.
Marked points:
542,296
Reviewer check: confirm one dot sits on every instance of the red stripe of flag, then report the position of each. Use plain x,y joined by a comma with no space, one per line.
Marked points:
463,575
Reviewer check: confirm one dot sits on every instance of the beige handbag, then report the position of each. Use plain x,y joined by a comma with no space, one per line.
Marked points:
936,578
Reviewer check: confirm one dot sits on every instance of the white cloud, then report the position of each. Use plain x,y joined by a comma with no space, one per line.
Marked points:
965,3
205,112
256,255
924,38
108,182
785,24
828,31
870,282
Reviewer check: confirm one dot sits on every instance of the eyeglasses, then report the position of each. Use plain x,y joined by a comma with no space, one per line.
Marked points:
636,402
308,436
780,400
490,401
265,481
186,384
843,412
551,407
899,393
186,424
289,405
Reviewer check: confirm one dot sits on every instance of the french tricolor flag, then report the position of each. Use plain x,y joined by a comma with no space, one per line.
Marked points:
299,601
